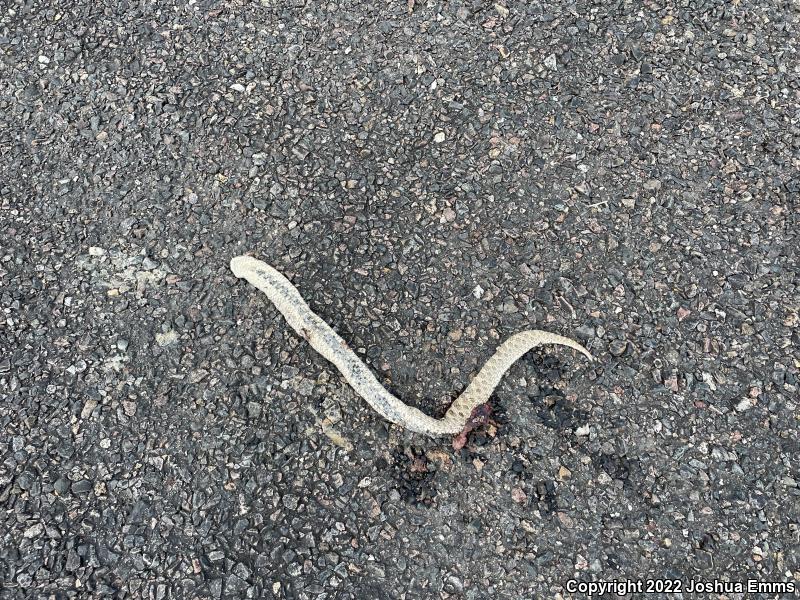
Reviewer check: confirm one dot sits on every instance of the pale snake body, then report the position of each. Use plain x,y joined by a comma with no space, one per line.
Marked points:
327,342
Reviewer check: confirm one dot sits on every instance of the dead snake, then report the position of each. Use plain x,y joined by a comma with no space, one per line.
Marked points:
327,342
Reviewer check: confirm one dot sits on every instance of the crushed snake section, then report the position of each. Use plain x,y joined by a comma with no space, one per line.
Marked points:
327,342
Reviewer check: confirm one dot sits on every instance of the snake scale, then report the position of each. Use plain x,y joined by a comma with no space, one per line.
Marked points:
327,342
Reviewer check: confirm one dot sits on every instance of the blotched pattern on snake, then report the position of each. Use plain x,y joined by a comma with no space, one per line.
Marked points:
328,343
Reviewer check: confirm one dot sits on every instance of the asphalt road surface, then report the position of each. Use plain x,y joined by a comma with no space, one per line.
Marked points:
433,177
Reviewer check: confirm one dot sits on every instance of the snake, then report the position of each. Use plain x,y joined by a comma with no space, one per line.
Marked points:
331,346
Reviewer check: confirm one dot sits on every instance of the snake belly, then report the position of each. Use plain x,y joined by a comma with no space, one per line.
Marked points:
331,346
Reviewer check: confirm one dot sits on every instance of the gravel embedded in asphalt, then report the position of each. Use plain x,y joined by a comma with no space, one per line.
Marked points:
433,177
